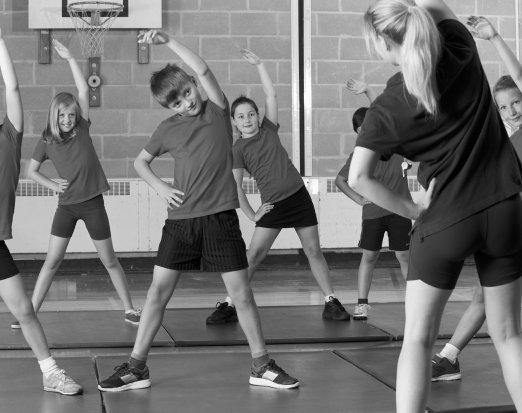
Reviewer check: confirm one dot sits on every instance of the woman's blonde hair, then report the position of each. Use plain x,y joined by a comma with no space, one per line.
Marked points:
61,101
413,29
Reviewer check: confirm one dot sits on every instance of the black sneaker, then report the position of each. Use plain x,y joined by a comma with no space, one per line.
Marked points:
444,370
126,378
333,310
271,375
223,314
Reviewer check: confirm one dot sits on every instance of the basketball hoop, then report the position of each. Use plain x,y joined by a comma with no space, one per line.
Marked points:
91,20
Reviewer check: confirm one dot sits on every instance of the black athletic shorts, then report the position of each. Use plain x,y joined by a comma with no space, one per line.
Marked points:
8,267
92,212
397,227
212,240
493,236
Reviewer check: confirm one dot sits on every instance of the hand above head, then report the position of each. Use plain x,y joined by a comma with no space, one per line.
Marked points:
153,37
356,86
250,57
481,27
62,51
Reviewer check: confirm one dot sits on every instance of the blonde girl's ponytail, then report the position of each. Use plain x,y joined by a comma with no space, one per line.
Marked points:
413,29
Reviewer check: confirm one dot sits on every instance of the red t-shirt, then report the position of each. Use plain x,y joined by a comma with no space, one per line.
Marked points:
264,157
10,151
390,175
465,147
76,161
201,146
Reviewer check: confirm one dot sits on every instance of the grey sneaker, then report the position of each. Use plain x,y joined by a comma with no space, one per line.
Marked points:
271,375
360,311
15,325
444,370
59,382
126,377
133,316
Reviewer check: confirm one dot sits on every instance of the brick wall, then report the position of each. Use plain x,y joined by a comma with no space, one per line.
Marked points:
217,29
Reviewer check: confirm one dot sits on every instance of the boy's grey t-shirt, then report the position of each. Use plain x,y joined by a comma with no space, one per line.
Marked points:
201,146
10,151
76,161
265,158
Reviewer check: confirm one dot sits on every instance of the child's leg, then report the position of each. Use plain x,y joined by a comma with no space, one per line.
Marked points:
503,314
309,237
365,274
112,265
260,245
403,257
238,288
13,293
424,306
55,254
163,283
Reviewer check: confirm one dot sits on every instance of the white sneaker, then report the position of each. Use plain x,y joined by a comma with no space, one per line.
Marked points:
60,382
361,311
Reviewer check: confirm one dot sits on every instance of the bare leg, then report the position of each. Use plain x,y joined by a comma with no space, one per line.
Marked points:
55,254
309,237
161,289
112,265
365,274
239,290
503,314
403,257
471,320
13,293
424,306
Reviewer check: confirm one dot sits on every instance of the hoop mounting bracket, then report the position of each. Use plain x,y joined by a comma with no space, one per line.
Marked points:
94,81
143,53
44,47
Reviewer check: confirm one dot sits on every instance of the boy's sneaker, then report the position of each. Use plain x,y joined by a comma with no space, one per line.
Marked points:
133,316
271,375
223,314
444,370
15,325
126,378
361,311
59,381
333,310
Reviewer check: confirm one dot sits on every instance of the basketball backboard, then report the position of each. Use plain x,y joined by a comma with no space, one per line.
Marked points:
136,14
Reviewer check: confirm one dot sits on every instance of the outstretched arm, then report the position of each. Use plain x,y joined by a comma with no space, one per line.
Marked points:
243,201
14,109
358,86
482,28
271,109
438,9
192,59
79,79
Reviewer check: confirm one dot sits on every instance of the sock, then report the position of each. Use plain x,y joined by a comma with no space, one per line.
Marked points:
362,301
137,361
48,366
450,352
329,297
260,359
229,301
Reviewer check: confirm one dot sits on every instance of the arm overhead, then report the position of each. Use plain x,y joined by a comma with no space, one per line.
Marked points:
13,101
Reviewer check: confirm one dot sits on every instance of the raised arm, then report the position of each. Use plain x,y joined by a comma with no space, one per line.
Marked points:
438,9
171,196
14,109
191,59
243,200
358,86
271,109
79,79
482,28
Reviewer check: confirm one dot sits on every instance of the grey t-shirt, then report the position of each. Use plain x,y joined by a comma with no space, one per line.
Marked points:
201,148
264,157
76,161
10,151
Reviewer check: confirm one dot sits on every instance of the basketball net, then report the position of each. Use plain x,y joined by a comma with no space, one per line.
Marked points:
92,19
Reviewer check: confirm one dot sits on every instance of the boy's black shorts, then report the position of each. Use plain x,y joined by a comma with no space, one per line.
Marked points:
214,240
397,227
